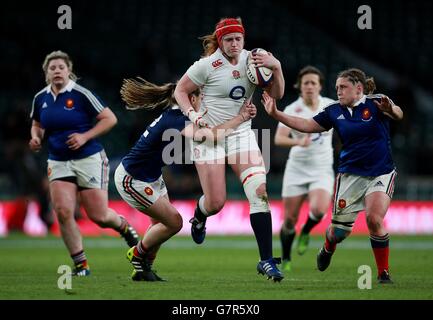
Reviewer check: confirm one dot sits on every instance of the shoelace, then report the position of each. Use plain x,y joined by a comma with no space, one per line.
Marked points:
196,223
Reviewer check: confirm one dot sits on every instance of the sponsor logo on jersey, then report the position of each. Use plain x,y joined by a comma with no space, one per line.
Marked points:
341,117
148,191
92,180
44,105
236,74
217,63
341,203
366,115
237,93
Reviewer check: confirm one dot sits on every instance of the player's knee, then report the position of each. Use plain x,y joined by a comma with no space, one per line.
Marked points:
317,213
101,220
215,204
374,223
290,222
63,213
261,190
254,183
176,223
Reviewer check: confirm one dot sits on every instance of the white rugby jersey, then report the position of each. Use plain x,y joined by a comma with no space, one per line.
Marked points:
225,87
319,152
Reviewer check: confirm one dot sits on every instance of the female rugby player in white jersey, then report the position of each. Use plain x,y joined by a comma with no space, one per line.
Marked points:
309,171
222,74
139,176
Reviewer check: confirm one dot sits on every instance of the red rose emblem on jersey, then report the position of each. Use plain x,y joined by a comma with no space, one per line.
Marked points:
236,74
148,191
69,103
49,171
298,109
366,114
341,203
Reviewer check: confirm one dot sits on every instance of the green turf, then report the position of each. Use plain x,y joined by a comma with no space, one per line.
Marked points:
221,268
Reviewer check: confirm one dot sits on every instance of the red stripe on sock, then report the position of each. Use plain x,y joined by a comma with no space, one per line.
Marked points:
330,247
381,255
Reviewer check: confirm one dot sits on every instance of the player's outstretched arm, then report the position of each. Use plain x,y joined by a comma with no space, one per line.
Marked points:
300,124
390,109
247,112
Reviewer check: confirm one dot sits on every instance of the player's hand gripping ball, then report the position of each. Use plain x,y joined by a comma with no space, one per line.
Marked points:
260,76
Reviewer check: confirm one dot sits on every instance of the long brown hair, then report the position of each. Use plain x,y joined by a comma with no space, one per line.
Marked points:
142,94
356,75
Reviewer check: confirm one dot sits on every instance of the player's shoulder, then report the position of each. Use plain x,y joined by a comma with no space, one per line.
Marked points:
376,96
208,63
79,89
175,113
244,54
42,92
327,101
210,58
331,105
369,100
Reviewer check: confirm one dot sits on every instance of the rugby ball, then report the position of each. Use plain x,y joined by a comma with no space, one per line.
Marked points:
259,76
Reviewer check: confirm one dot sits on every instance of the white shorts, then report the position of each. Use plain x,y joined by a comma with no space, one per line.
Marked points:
210,151
138,194
350,193
90,173
299,180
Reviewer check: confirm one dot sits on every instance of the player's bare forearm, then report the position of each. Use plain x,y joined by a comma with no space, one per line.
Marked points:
37,131
101,127
300,124
106,121
227,127
276,88
396,113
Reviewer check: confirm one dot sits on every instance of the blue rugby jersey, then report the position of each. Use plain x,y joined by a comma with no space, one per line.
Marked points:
365,136
145,159
72,111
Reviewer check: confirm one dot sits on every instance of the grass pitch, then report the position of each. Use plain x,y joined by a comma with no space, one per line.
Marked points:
222,268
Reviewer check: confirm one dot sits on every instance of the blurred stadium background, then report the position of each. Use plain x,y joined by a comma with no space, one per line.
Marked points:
158,40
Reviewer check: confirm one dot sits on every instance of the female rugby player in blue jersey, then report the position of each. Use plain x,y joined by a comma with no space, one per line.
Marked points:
63,113
366,172
139,177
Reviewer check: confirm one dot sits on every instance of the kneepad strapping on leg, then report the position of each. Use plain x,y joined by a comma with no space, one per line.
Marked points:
336,235
253,179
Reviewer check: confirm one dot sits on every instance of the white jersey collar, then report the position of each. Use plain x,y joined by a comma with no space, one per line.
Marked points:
68,87
362,100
